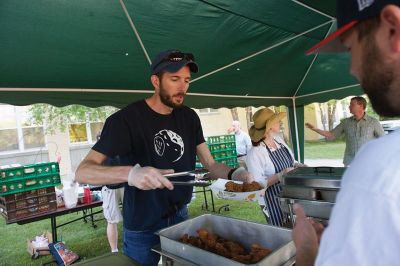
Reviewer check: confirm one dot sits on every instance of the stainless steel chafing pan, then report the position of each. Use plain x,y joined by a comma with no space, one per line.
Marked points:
307,193
324,177
312,208
299,192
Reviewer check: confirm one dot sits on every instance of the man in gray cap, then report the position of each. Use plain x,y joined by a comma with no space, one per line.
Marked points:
364,226
154,137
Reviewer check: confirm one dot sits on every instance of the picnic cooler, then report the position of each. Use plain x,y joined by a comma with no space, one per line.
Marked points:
244,232
28,190
315,188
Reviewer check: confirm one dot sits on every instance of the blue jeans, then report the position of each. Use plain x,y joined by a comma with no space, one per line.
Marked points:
138,244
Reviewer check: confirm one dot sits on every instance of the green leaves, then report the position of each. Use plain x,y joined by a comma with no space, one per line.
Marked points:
58,118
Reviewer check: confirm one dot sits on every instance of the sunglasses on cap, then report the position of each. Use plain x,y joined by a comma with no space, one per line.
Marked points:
176,57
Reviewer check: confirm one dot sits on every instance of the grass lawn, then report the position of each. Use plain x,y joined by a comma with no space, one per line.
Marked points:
90,242
324,149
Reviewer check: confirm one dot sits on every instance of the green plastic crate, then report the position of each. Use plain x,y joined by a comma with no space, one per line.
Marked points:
223,149
28,170
220,139
28,177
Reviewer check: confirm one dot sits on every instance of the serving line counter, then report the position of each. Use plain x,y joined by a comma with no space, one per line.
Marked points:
315,188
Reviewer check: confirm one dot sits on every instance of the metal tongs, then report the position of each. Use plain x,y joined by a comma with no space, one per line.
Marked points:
201,178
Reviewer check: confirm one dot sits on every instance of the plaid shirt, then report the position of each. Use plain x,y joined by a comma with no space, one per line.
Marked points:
357,133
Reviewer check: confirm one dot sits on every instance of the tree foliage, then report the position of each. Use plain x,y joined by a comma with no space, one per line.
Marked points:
327,112
57,118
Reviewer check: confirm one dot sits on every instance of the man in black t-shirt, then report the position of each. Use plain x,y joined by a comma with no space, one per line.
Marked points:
155,136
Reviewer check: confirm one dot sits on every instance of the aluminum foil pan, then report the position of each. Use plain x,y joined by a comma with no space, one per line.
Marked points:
244,232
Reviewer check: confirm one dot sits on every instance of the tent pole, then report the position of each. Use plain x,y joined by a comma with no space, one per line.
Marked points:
331,90
313,9
310,66
135,31
296,129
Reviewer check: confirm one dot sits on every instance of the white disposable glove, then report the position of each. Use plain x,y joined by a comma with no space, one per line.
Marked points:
240,174
147,178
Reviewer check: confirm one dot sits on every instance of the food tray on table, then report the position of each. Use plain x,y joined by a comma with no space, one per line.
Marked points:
218,188
244,232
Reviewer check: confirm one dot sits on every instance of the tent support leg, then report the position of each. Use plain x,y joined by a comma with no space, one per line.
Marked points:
296,129
296,119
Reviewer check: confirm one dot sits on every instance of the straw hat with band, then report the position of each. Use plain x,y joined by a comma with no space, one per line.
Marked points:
263,120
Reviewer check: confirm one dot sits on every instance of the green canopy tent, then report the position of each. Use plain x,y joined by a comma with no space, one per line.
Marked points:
97,52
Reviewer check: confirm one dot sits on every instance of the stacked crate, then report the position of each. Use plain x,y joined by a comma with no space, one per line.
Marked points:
223,149
28,190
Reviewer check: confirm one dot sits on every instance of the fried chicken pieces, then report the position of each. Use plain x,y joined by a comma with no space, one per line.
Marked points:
227,248
245,187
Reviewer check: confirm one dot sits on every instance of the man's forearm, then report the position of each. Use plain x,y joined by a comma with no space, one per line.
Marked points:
306,257
219,170
324,133
91,173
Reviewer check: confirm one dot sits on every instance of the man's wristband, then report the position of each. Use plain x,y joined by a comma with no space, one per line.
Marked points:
230,173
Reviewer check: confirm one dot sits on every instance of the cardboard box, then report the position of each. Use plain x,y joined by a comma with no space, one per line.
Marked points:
32,248
218,188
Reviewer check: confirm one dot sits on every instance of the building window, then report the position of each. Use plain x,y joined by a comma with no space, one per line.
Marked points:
16,132
8,140
77,133
33,137
95,129
84,132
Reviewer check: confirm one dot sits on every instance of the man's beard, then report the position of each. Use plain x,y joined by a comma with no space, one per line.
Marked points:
167,99
378,80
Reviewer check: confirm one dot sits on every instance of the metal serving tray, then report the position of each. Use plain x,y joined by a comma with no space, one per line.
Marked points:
307,193
299,192
312,208
328,195
245,232
315,177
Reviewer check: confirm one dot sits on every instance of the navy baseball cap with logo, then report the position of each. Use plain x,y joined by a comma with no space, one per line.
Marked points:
348,14
173,60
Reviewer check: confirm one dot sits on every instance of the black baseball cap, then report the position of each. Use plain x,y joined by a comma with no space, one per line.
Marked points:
348,14
172,60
